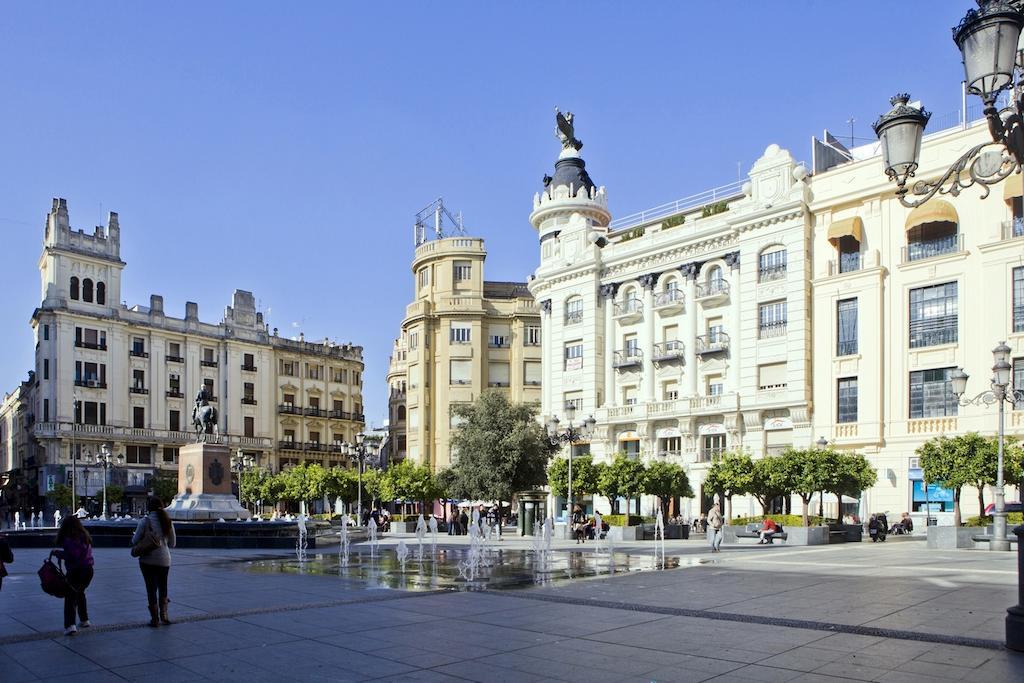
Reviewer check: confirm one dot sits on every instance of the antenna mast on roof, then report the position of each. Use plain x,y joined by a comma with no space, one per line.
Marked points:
436,211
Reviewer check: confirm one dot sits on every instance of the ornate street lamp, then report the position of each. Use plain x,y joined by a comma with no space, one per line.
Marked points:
1001,393
822,444
240,463
988,39
572,434
106,460
363,447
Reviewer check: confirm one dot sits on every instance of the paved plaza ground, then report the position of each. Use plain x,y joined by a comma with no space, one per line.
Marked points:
872,612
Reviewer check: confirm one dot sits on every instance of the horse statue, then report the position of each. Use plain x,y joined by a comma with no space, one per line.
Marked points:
204,419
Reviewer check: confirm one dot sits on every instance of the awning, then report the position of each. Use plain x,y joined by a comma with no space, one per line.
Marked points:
933,211
629,436
848,227
1013,186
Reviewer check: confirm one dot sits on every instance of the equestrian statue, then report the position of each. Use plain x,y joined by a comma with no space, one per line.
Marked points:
204,417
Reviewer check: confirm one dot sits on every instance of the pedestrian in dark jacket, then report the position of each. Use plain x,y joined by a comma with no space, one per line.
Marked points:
5,556
156,564
76,551
463,523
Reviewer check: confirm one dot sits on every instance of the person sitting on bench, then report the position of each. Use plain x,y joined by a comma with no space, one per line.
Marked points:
768,529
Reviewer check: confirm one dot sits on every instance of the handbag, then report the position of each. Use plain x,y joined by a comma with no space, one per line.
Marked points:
147,544
53,580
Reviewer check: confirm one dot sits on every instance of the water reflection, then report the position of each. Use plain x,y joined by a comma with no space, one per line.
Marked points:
444,568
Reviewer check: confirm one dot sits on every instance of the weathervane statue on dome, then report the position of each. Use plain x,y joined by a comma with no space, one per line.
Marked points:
566,132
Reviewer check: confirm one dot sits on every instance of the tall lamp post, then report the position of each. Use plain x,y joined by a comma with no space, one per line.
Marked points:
1001,393
240,463
822,444
360,450
107,460
988,39
75,404
572,435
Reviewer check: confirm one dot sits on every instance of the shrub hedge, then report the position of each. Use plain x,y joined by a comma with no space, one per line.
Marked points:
784,520
1012,520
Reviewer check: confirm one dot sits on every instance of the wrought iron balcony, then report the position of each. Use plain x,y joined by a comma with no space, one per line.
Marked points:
339,415
138,353
712,292
315,446
90,383
669,301
925,249
708,344
771,330
174,359
770,273
174,393
248,368
90,345
248,400
289,409
668,350
138,390
629,311
627,358
573,317
208,363
289,445
315,412
1013,228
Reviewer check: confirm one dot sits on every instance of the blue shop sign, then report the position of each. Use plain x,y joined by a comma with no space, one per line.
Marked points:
936,493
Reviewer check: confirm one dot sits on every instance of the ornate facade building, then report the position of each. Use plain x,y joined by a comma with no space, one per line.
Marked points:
686,332
109,374
461,335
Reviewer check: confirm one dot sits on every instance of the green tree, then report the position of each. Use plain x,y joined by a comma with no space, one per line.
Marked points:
729,475
273,489
953,462
304,482
115,494
252,483
61,496
986,466
340,482
806,473
852,474
585,474
624,477
164,486
408,481
371,486
768,480
666,480
501,448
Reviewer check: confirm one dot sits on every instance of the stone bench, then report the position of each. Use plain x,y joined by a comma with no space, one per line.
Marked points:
751,531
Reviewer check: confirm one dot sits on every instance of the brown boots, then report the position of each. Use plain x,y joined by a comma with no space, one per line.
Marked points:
154,618
163,612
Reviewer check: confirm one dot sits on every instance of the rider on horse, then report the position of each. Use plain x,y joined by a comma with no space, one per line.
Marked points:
204,416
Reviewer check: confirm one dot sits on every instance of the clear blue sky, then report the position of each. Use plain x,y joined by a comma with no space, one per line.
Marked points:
283,148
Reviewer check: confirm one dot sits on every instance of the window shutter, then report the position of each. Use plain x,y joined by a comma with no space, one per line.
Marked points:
461,371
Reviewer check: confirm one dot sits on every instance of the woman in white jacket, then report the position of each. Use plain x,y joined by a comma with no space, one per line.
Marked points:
156,564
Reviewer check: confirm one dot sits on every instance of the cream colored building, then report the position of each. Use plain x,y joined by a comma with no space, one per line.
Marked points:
461,335
684,330
774,312
135,372
901,298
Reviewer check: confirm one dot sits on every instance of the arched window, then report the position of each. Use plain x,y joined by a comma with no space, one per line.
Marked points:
772,264
401,413
101,293
74,288
715,275
87,290
574,310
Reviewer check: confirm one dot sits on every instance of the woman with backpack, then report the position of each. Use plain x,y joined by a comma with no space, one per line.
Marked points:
153,538
76,551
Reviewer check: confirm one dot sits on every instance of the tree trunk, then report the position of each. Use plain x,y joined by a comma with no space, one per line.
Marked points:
807,501
956,507
981,498
728,507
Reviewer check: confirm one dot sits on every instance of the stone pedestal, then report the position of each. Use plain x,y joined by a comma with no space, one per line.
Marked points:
204,485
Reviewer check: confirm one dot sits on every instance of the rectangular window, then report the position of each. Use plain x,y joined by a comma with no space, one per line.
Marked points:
629,396
846,410
174,420
714,385
771,376
249,391
138,417
248,361
1018,382
574,310
497,374
174,349
670,390
712,445
138,455
249,426
138,346
288,368
46,410
462,270
46,368
138,379
170,454
414,341
498,336
46,333
460,333
715,330
461,371
532,335
933,315
423,277
574,355
573,398
174,384
931,394
771,319
1018,300
208,383
670,445
314,437
207,354
314,402
314,371
414,418
772,265
846,327
289,435
289,400
531,373
414,376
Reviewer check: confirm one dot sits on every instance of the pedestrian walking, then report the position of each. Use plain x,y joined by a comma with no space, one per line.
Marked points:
154,537
76,551
715,524
463,523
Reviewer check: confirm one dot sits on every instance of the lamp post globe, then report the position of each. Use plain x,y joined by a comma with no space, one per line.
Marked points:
987,38
900,131
958,381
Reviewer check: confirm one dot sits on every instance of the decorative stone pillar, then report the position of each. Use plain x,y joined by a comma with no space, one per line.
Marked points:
608,292
649,282
545,358
690,349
